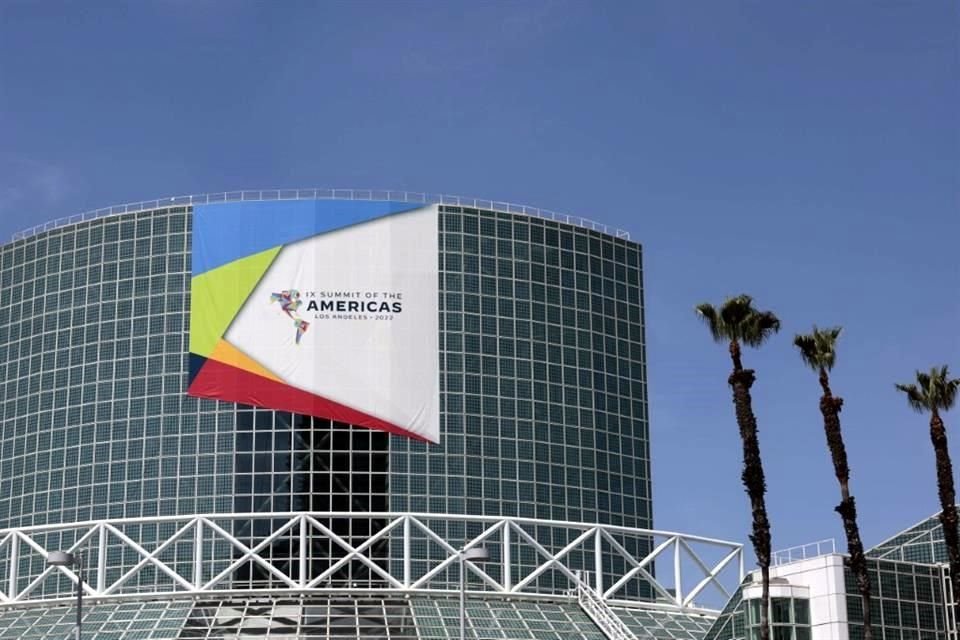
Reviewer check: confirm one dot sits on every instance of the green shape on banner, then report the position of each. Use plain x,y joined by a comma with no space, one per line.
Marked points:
216,297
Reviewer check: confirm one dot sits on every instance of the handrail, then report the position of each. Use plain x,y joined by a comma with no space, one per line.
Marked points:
602,615
804,551
321,194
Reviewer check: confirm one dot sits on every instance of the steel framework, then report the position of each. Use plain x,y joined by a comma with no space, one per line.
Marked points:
321,194
293,553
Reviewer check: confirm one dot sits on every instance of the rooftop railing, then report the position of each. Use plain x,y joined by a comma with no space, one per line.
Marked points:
322,194
804,551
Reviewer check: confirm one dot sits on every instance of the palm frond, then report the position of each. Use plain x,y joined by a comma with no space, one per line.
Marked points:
708,313
808,350
737,319
943,390
758,326
934,391
950,392
915,397
734,311
819,348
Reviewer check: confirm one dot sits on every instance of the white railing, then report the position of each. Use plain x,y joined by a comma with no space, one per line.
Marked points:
804,551
950,610
602,615
321,194
276,554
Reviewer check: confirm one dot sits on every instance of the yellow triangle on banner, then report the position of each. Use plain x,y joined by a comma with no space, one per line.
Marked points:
228,354
218,295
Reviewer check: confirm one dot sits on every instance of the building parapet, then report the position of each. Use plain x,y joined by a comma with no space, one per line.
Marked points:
322,194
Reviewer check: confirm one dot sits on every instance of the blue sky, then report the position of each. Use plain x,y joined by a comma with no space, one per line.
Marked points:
806,153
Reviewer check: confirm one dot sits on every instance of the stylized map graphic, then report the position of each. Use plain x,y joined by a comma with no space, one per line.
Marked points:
290,301
325,308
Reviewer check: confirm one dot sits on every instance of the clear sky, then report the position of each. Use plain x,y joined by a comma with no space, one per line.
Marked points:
806,153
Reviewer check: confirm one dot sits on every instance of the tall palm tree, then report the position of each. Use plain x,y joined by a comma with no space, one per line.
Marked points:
737,322
936,392
818,350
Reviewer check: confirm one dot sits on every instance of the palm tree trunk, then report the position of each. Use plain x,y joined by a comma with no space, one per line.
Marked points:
753,479
830,407
948,500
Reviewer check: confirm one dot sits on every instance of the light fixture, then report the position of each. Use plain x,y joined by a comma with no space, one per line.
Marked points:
473,554
65,559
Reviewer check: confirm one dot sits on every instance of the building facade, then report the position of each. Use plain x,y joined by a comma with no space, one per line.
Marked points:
196,518
543,419
544,411
814,595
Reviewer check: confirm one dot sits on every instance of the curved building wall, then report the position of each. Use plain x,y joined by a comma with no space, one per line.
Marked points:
93,330
542,386
543,381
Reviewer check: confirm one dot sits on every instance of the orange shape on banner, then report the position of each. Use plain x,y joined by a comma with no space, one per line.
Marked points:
228,354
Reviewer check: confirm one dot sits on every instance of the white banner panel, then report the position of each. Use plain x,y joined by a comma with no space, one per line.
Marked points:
348,320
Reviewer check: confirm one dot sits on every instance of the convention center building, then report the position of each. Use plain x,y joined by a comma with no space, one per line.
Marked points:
361,414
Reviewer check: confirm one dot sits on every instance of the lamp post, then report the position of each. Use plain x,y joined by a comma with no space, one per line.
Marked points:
64,559
474,554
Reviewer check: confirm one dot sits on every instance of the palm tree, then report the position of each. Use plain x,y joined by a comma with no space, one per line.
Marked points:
818,350
936,392
737,322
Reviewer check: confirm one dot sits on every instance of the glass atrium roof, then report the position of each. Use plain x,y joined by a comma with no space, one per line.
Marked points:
923,542
340,619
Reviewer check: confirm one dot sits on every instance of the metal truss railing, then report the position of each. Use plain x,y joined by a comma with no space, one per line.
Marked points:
286,554
321,194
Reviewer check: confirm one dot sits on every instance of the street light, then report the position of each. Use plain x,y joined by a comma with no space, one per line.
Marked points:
473,554
64,559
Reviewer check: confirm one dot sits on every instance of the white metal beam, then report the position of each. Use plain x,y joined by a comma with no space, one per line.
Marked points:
191,553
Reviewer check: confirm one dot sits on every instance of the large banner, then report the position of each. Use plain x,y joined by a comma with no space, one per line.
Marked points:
327,308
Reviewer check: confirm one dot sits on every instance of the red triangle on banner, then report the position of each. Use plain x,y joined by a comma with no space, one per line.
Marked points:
219,381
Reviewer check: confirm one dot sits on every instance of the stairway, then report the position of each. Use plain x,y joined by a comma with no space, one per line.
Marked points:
602,615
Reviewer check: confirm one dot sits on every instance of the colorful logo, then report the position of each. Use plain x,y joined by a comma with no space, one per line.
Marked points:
289,302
